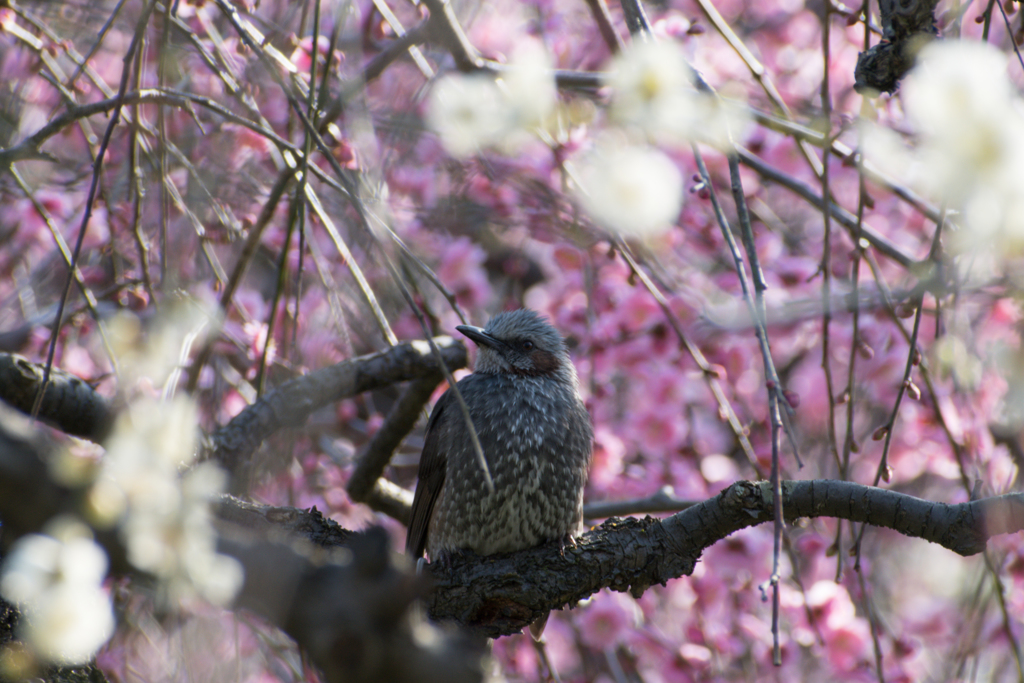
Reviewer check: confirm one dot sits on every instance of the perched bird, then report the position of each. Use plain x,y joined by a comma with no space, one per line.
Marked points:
536,436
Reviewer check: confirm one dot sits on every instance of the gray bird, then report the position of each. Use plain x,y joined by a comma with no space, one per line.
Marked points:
536,436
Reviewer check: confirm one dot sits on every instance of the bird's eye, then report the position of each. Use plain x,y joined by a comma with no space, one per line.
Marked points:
527,345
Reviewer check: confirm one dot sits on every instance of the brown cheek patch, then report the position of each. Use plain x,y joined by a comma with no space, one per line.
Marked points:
545,363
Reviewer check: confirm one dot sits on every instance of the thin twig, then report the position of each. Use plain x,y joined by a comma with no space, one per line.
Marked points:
772,380
662,501
841,215
775,395
710,375
140,28
759,74
826,249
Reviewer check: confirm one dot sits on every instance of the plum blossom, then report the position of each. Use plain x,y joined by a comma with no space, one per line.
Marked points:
476,111
57,580
961,101
608,619
163,517
529,87
631,190
649,81
466,111
654,93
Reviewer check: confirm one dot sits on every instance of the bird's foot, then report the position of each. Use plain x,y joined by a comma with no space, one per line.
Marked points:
568,540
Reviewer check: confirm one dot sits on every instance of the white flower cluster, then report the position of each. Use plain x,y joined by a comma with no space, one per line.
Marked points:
971,152
633,188
476,111
630,188
56,579
163,515
653,93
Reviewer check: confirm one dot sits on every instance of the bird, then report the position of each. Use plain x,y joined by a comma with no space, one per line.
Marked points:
536,435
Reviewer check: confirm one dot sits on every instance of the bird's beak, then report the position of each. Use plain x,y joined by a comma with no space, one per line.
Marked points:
481,338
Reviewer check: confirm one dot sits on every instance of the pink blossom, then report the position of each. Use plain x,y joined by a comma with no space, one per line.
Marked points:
606,466
302,56
607,619
460,271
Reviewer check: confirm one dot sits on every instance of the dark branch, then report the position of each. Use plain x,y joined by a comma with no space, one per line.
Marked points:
506,592
69,404
503,594
352,616
292,403
374,457
339,594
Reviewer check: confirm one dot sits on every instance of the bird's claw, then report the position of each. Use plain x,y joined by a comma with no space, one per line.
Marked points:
566,540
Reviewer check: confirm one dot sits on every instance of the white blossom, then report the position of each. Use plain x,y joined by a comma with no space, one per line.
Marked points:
163,515
649,81
886,151
476,111
528,87
466,112
653,92
57,581
158,355
69,623
971,141
631,190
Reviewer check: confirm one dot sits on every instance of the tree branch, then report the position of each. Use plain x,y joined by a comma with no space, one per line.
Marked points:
339,594
69,404
501,594
374,457
292,403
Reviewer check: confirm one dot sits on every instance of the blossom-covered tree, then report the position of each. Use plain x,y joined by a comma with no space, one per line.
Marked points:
782,239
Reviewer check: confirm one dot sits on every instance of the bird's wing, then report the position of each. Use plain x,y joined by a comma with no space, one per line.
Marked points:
433,464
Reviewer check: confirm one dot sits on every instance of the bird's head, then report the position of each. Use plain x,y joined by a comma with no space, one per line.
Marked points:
521,343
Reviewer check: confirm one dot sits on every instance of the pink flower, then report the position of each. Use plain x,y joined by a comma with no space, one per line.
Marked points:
609,451
608,619
461,270
696,656
302,55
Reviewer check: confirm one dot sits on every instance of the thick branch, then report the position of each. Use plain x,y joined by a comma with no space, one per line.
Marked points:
338,593
292,403
351,616
28,497
375,456
69,404
502,594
